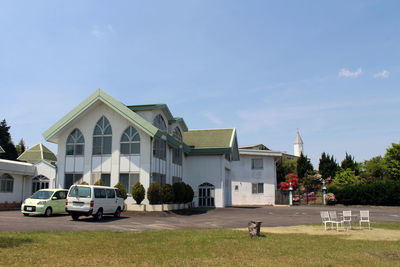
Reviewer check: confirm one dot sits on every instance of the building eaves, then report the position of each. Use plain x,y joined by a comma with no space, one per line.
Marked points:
100,95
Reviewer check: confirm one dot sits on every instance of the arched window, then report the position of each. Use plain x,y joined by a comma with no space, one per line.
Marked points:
75,143
159,122
102,136
40,182
6,183
177,134
130,141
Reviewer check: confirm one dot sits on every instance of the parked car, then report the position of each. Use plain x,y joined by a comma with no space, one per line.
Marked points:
87,200
45,201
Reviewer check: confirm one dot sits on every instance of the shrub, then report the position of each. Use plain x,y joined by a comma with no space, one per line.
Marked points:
100,182
179,192
154,193
138,192
330,198
122,189
84,183
189,194
379,192
167,193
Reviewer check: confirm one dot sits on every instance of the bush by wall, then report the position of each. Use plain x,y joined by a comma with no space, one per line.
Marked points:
379,192
154,193
99,182
138,192
122,189
167,193
179,192
189,194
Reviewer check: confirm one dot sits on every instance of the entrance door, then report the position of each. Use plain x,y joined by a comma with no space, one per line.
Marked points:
40,182
206,195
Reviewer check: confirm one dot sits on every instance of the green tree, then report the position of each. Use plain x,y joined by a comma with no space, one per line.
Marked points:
373,168
154,193
287,165
303,166
20,147
138,192
122,189
350,163
6,142
392,161
327,166
99,182
167,193
345,177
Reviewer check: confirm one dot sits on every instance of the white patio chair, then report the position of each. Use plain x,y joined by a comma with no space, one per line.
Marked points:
335,220
347,217
325,218
364,217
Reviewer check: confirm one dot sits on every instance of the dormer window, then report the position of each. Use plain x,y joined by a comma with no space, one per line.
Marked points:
159,122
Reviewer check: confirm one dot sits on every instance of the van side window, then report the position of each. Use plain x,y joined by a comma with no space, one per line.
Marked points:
99,193
110,193
119,193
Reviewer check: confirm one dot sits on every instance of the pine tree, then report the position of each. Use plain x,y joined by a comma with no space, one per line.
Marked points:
20,147
6,142
327,166
303,166
350,163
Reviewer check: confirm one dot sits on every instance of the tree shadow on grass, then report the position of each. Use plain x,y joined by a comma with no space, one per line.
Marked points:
12,242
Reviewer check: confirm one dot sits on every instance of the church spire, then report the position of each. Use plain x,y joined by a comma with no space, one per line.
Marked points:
298,144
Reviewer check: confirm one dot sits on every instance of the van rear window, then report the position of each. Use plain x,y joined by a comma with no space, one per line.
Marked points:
79,191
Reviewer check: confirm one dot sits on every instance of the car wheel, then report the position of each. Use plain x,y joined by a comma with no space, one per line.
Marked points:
26,214
48,212
117,213
75,217
99,215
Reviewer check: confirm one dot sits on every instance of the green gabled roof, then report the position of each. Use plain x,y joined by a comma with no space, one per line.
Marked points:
179,121
100,95
37,153
211,142
2,150
215,138
151,107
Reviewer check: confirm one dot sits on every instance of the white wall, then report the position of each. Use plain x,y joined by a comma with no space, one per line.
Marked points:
17,194
201,169
45,169
110,164
243,176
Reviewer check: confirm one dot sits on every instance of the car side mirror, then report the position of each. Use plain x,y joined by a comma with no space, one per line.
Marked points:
54,198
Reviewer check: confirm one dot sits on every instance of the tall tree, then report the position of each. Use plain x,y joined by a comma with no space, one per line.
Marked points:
327,166
286,166
373,168
303,166
6,142
20,147
350,163
392,161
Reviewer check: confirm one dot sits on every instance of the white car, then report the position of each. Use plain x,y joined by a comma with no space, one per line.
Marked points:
86,200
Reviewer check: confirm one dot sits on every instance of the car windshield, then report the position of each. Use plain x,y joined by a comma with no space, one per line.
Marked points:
79,191
42,194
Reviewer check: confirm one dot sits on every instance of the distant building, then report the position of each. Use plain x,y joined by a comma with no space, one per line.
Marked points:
19,180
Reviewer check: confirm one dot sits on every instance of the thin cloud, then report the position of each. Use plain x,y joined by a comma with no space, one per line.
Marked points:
350,74
383,74
214,119
101,31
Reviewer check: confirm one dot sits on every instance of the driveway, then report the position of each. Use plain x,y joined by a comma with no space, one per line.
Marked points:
234,217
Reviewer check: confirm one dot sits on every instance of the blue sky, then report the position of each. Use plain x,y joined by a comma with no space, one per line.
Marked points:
329,68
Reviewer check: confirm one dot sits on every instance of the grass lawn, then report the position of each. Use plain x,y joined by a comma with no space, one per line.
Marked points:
212,247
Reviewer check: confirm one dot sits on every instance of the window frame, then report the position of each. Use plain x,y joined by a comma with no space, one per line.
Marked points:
6,183
75,135
253,165
131,134
257,188
102,124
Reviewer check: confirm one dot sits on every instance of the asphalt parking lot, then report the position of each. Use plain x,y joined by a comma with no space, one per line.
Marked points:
234,217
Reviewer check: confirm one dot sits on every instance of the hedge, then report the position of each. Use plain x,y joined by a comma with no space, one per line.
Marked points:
381,192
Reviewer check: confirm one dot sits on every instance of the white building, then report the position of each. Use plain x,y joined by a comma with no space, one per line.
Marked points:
104,139
254,176
18,180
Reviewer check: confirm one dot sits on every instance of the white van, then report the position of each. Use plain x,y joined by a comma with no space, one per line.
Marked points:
86,200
